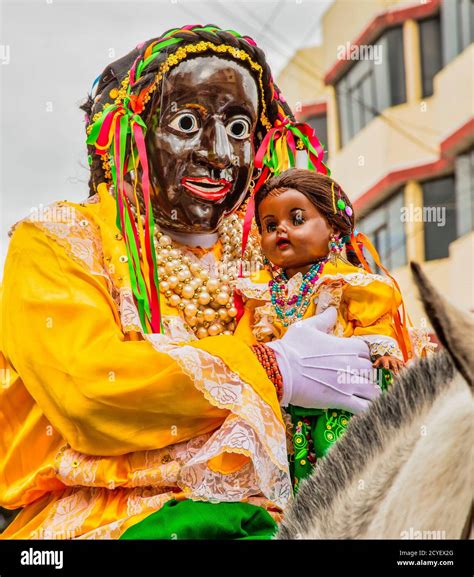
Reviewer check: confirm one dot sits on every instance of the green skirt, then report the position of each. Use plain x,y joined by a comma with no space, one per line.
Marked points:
203,520
316,430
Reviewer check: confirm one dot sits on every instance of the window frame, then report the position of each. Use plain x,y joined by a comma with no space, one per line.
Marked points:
427,80
378,220
426,243
352,82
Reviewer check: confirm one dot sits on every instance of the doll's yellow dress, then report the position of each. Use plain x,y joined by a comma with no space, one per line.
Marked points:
367,306
365,302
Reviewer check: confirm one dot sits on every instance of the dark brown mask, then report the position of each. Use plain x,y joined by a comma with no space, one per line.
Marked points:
200,143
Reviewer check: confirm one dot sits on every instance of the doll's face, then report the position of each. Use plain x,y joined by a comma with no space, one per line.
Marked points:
200,143
294,233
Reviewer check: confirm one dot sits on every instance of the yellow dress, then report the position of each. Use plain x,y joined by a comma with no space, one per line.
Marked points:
101,424
366,304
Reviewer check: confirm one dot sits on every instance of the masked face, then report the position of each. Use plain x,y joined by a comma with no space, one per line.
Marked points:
200,143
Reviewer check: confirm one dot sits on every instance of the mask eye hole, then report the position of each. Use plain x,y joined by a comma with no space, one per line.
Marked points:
238,128
185,122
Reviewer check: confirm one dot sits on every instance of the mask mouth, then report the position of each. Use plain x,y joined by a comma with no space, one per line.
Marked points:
207,188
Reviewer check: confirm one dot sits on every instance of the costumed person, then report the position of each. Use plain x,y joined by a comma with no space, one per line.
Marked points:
317,264
129,408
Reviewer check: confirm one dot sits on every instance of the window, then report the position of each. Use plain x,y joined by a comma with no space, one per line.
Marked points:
430,50
439,217
464,186
372,85
392,42
385,228
319,123
457,26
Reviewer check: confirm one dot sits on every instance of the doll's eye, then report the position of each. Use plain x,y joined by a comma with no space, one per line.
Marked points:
298,218
185,122
270,227
239,128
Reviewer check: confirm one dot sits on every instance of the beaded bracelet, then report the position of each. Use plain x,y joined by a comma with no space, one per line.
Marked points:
267,359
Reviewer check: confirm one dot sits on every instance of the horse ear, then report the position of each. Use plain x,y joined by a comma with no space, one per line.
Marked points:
454,328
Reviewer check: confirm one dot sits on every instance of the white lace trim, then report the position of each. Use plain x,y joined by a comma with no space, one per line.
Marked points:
264,438
381,345
251,429
421,342
78,235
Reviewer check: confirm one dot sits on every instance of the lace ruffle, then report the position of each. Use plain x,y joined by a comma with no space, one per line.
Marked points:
260,291
381,345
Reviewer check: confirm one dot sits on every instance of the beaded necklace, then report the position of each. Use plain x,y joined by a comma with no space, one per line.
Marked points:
203,296
293,308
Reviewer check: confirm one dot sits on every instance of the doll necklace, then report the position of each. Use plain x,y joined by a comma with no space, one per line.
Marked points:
293,308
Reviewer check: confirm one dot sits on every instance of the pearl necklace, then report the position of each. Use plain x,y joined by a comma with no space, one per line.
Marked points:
293,308
205,298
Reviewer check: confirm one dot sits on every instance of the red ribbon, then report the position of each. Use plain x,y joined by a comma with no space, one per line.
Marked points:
154,287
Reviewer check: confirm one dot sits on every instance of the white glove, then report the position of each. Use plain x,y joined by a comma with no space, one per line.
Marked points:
322,371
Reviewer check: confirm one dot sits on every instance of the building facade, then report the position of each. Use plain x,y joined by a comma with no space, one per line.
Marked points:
390,93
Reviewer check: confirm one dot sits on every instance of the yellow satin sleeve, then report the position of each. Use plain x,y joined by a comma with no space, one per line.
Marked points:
369,308
104,394
245,325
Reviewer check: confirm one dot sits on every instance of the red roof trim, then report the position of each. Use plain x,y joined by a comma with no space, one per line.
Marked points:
458,140
316,109
397,178
376,26
455,142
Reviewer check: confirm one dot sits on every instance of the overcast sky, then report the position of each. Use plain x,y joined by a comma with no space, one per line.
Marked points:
52,50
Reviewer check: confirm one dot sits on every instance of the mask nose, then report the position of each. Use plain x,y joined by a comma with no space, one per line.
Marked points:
214,149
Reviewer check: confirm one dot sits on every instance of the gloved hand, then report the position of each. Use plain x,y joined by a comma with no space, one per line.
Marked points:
322,371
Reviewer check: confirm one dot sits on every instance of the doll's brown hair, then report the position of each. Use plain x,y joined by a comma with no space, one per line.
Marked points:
317,188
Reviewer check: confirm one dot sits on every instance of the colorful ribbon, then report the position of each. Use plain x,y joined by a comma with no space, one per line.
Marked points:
276,154
120,132
118,128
